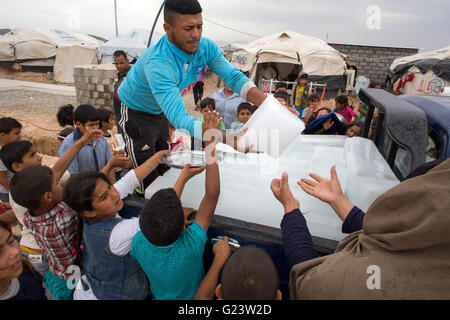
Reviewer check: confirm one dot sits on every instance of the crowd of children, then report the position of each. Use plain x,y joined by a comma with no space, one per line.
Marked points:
68,214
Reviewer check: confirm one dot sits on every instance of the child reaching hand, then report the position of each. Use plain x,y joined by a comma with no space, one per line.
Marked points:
170,253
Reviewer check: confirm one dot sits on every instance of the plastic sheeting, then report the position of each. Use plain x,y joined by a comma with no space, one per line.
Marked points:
245,181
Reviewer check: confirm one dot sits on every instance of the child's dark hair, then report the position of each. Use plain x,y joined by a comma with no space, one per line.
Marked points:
208,102
281,85
173,7
104,115
313,97
283,95
357,123
65,115
162,218
342,99
13,153
119,53
85,113
29,185
245,106
314,115
249,274
79,189
8,123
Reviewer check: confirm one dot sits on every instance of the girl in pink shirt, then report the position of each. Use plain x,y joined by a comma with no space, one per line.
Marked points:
343,108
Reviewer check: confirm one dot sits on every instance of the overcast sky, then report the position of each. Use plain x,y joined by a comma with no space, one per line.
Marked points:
420,24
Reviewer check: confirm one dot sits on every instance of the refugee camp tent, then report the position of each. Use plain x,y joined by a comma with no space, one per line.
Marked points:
290,53
423,73
53,48
133,43
230,48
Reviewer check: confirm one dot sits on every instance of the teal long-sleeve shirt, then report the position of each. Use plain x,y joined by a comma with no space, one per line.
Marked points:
164,72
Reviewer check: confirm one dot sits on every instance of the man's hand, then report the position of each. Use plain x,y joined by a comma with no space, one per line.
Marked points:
282,192
233,138
121,160
293,110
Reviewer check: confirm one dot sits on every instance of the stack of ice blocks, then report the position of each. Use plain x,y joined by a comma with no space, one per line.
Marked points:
245,181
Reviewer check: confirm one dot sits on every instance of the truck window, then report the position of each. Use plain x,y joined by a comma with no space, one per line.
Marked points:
434,145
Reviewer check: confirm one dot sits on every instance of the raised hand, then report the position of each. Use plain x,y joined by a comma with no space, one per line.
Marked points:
222,250
90,136
281,191
121,160
188,172
323,189
328,124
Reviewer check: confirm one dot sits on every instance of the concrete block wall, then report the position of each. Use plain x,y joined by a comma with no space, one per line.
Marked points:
95,84
373,62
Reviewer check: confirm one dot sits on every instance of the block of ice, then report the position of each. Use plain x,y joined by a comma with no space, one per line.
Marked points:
245,181
272,128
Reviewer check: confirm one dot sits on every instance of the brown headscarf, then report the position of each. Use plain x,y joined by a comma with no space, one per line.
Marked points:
406,235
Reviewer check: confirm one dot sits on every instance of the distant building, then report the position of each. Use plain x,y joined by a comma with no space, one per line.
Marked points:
373,62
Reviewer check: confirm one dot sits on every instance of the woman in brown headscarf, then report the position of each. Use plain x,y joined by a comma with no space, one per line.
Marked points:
402,251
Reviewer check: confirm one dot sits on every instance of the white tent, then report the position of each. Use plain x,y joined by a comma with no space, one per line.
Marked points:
423,73
291,53
133,43
42,47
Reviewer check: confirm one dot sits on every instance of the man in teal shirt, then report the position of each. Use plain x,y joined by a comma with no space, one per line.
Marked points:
151,94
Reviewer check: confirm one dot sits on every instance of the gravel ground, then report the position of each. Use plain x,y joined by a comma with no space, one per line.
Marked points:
39,103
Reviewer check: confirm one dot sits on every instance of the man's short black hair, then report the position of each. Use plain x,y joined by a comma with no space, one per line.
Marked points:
119,53
162,219
104,115
79,189
249,274
8,123
85,113
65,115
30,184
245,106
13,153
208,102
173,7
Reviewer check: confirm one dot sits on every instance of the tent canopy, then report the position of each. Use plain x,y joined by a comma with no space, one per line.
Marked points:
424,73
316,56
133,43
40,47
38,43
438,61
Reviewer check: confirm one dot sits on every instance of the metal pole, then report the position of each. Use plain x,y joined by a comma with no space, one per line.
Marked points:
115,14
154,24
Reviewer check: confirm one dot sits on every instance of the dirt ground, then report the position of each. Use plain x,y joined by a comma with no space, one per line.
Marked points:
37,111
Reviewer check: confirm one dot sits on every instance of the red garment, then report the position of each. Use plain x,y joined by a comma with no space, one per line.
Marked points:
57,234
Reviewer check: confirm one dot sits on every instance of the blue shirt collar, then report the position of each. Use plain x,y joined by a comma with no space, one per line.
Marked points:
186,57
